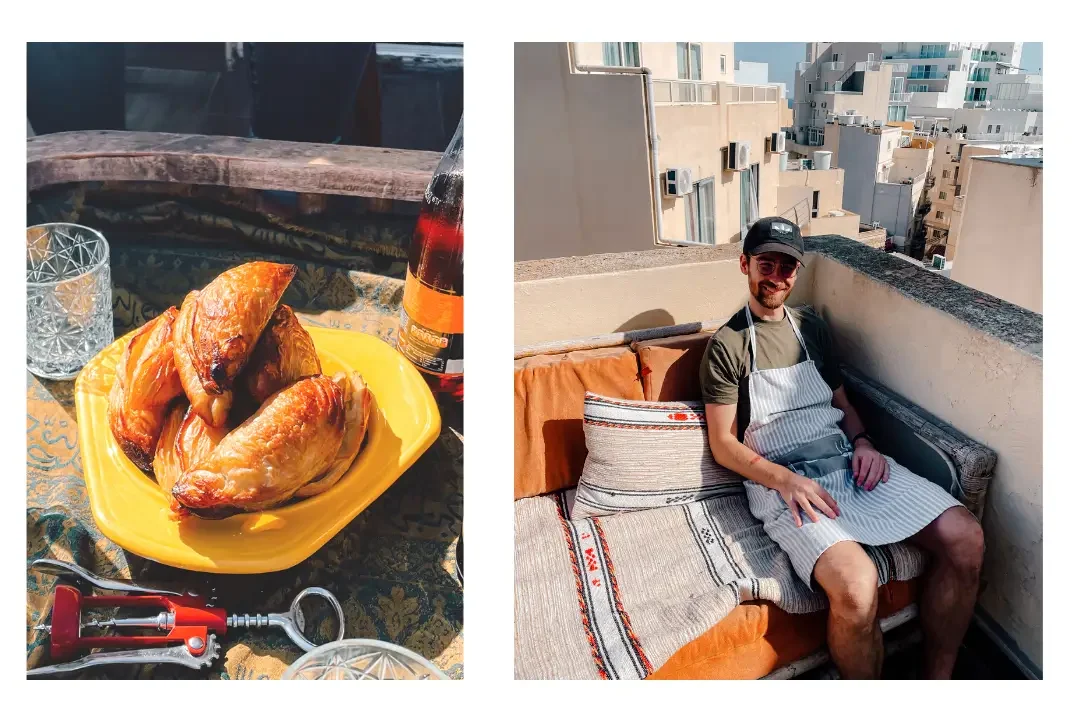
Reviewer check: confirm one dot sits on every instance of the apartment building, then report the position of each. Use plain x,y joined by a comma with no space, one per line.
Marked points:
999,240
943,77
621,159
845,80
951,167
712,62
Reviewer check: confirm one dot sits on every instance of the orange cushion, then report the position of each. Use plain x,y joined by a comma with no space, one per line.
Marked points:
549,404
757,638
669,366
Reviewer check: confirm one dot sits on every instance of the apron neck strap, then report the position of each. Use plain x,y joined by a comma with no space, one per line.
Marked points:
753,336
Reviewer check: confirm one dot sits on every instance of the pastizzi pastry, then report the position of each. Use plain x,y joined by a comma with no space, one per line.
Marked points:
283,355
218,329
171,407
146,381
293,437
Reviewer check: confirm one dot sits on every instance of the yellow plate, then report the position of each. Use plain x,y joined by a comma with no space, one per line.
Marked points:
133,512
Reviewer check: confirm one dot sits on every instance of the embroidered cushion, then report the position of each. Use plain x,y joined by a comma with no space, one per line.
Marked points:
647,454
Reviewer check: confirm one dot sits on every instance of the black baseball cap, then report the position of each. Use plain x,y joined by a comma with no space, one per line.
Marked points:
773,234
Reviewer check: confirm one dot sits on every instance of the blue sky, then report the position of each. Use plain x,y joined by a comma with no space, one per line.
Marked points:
782,58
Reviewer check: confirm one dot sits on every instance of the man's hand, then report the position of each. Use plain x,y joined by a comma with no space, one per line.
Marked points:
802,493
869,466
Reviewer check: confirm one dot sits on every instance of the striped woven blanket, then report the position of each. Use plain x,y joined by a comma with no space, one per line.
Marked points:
616,596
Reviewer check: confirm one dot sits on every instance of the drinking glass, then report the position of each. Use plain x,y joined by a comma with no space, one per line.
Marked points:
68,299
362,660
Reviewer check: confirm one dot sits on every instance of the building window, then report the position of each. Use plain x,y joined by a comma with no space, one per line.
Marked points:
627,55
939,215
941,195
723,64
748,197
835,57
701,212
898,113
809,88
997,130
989,128
688,56
952,66
689,62
813,212
937,233
944,173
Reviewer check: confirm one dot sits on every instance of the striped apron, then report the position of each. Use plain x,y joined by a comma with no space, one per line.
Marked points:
793,423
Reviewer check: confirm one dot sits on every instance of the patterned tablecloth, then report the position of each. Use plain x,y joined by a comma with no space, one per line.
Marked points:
392,567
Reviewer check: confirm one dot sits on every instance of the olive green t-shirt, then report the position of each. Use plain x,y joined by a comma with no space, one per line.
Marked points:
725,367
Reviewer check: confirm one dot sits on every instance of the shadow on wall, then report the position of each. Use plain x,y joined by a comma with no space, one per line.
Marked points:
648,319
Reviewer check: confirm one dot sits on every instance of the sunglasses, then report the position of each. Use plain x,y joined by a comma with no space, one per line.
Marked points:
768,267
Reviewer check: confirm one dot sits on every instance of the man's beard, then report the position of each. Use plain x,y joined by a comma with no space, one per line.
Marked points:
769,296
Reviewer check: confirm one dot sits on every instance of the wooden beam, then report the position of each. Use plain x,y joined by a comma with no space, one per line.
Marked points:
358,171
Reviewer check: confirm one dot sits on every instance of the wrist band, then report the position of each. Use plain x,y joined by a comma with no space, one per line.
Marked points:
862,435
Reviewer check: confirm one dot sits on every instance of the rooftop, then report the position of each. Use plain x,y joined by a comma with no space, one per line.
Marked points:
1031,161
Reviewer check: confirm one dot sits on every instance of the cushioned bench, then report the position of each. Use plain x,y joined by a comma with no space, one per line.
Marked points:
757,638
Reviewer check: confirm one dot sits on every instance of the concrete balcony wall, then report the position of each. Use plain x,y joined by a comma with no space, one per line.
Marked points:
969,358
846,225
582,183
975,361
625,292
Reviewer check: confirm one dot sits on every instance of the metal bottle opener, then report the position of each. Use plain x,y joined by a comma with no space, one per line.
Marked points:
190,624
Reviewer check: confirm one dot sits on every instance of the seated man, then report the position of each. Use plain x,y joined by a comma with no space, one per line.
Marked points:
778,415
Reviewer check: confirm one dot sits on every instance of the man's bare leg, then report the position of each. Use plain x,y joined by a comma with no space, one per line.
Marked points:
850,580
955,542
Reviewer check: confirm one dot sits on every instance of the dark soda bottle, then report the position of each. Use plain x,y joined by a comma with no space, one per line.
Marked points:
432,331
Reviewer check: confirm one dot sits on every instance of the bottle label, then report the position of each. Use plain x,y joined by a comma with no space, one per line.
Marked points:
431,333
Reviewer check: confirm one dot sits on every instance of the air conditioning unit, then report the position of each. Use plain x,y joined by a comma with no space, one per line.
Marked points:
738,156
678,182
878,124
777,142
938,262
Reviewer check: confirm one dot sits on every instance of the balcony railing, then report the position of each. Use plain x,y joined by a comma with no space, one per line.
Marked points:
803,66
901,97
958,204
667,91
833,66
928,75
919,55
670,91
1013,136
753,94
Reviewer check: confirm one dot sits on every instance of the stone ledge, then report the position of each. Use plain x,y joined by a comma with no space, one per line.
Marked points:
621,261
1009,323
